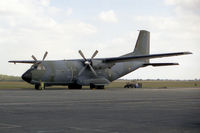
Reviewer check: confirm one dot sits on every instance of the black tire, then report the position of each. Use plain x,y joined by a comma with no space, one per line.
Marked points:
99,86
37,87
74,86
132,86
92,86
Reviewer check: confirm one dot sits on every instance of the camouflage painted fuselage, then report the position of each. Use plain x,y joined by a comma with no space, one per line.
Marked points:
66,72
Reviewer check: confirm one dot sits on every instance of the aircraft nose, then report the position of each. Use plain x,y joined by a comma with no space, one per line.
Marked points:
27,76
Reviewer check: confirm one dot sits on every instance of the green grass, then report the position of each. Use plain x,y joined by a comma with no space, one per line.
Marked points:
14,85
9,78
170,84
115,84
159,84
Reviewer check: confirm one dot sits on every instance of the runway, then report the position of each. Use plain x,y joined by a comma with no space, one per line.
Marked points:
117,110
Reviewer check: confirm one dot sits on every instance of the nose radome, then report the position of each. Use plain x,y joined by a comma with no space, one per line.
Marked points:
27,76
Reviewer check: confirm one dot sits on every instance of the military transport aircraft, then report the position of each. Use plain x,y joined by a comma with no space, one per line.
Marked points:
93,72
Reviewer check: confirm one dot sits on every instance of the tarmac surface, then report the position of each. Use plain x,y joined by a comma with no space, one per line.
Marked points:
174,110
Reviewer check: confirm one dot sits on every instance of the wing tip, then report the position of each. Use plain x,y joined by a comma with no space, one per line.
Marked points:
22,61
187,52
175,64
10,61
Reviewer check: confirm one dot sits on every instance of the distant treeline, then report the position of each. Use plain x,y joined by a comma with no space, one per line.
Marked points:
9,78
158,80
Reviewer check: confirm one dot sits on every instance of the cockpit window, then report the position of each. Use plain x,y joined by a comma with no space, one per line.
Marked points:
33,67
41,67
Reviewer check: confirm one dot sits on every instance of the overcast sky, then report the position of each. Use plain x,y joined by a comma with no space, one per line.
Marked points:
62,27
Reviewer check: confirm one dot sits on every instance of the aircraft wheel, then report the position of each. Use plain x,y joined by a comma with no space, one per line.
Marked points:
79,86
99,87
74,86
92,86
40,87
37,87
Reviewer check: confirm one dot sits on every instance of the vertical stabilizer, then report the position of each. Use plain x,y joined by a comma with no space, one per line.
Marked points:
143,43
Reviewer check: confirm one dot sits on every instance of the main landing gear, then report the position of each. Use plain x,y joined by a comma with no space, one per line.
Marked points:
41,86
74,86
92,86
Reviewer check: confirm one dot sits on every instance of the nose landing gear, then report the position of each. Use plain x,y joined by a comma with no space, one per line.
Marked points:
40,86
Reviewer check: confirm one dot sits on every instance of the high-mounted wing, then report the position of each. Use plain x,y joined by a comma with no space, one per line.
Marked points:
30,61
140,57
120,59
22,61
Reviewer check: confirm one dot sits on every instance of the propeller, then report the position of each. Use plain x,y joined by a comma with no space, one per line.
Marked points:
38,62
88,63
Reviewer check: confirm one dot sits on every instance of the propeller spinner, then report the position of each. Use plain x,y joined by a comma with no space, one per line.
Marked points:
88,63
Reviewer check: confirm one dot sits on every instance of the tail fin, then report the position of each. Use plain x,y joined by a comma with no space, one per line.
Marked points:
143,43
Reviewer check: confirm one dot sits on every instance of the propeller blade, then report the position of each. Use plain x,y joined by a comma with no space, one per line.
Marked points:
34,58
95,53
81,71
91,68
80,52
88,63
45,55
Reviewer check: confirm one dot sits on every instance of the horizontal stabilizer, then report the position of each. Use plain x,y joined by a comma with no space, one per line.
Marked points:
159,64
